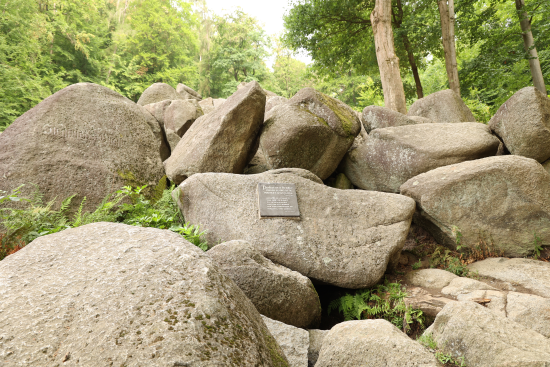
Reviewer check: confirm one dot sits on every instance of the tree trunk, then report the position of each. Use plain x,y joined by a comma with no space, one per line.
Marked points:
408,48
448,32
529,42
388,62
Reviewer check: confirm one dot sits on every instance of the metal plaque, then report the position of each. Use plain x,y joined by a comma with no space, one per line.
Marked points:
278,200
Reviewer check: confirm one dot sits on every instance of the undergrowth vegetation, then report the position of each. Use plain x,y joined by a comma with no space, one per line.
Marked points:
385,301
444,358
33,217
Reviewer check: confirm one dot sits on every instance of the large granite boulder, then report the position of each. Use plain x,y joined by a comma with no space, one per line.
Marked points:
187,92
222,140
529,310
311,131
344,237
532,275
546,165
430,278
111,294
486,339
373,343
442,106
180,115
274,101
158,92
523,124
316,338
503,199
376,117
293,341
277,292
85,139
388,157
209,104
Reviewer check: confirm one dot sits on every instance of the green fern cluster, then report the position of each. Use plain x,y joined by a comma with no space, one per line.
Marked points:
446,359
23,224
385,301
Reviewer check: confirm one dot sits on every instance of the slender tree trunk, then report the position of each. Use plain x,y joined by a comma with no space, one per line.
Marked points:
448,32
388,62
408,48
529,42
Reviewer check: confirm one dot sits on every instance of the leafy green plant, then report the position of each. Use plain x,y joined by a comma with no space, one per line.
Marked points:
537,246
417,265
381,302
447,359
458,237
447,261
21,225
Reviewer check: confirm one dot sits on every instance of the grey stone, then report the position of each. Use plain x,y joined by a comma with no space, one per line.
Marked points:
293,341
266,92
389,157
546,165
158,92
530,274
421,299
316,338
504,199
464,285
277,292
373,343
172,138
180,115
430,278
207,105
376,117
486,339
109,293
85,139
157,109
421,120
442,106
222,140
529,310
492,299
325,244
342,182
274,101
523,124
311,131
185,90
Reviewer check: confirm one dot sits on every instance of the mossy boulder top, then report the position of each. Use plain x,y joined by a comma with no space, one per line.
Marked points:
85,139
311,131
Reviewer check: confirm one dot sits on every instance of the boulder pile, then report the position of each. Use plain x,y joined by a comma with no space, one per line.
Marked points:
293,195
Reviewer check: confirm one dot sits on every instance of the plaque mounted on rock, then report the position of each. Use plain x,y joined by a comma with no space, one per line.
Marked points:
278,200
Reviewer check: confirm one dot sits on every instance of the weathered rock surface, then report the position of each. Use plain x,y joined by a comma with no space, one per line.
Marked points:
342,182
486,339
501,198
187,92
523,124
158,92
208,105
180,115
220,141
373,343
311,131
430,278
115,294
493,300
376,117
277,292
324,244
421,299
85,139
465,285
530,274
421,120
172,138
316,338
157,109
442,106
293,341
529,310
274,101
546,165
390,156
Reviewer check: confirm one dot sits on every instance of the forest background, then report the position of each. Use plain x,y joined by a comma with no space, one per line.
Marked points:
127,45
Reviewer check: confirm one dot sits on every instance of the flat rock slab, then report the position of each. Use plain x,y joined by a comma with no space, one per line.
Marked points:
504,199
464,285
85,139
293,341
389,157
344,237
277,292
373,343
430,278
486,339
112,294
533,275
442,106
376,117
220,141
529,310
158,92
523,124
421,299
